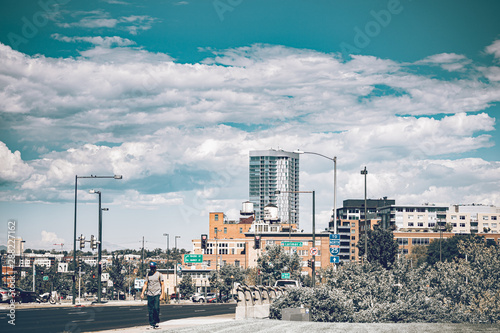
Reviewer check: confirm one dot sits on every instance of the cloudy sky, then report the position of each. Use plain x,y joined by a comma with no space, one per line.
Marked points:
173,94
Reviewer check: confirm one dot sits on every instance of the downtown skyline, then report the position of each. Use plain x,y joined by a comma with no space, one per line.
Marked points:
174,94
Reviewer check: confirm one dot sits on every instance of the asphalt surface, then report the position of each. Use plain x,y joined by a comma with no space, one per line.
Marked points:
228,324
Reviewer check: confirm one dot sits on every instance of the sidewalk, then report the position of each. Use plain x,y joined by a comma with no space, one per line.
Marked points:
196,324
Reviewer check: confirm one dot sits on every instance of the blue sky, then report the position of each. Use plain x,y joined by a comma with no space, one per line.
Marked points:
173,95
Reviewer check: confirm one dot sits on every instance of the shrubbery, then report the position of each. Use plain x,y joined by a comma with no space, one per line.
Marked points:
459,291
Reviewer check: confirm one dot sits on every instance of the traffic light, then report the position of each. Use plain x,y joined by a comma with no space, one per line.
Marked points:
203,241
256,242
93,243
82,241
93,276
310,263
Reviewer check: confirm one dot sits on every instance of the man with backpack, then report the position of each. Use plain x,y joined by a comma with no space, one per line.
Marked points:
153,288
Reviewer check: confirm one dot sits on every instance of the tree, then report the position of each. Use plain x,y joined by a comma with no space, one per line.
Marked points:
275,261
186,286
418,255
381,245
447,249
117,273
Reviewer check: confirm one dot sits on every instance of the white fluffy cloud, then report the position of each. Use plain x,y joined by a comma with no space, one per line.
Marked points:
13,168
128,111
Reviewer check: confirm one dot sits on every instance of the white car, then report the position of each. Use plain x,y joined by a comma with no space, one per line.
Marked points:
198,298
287,283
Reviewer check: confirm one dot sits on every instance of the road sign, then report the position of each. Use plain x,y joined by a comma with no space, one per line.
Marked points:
193,258
285,275
139,283
45,278
314,251
104,277
334,241
334,250
297,244
334,259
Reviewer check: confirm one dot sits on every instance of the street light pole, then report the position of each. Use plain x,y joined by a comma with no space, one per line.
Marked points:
73,291
99,249
168,237
365,172
313,268
178,298
334,160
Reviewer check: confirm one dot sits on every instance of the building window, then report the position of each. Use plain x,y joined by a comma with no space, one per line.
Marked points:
241,230
225,230
420,217
453,217
420,224
353,237
420,241
402,241
462,225
486,225
353,231
237,263
410,224
493,218
432,224
410,217
216,217
462,217
353,224
494,225
485,218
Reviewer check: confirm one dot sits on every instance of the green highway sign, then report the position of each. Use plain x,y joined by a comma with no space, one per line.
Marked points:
285,275
45,278
298,244
193,258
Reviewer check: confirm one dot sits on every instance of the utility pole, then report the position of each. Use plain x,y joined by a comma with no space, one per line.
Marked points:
142,258
365,172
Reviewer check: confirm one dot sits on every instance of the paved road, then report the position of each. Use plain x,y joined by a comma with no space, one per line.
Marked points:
98,318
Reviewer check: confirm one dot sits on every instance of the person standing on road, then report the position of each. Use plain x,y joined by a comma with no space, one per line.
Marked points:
153,288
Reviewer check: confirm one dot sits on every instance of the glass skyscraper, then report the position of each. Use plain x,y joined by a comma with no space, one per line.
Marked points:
270,171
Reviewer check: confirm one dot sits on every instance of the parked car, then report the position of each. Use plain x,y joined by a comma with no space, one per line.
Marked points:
174,296
211,298
25,296
5,295
228,298
198,298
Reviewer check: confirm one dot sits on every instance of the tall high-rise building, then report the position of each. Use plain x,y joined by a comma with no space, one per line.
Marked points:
270,171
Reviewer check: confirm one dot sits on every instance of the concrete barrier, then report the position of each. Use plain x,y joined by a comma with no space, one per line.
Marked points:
255,301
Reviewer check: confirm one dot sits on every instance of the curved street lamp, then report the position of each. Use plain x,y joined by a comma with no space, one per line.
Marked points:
334,160
73,291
